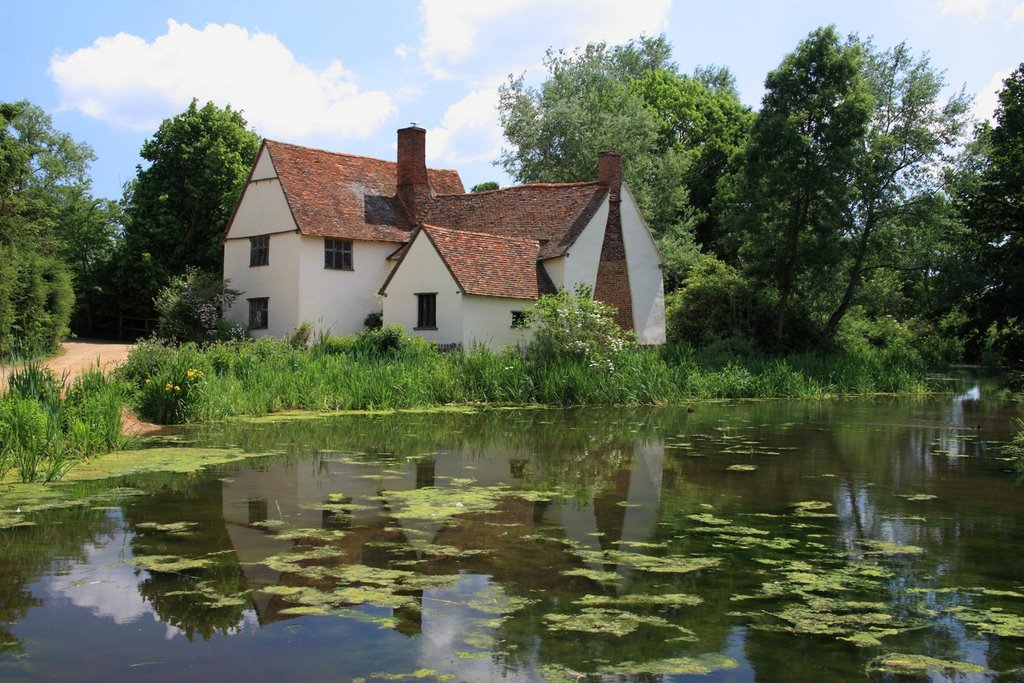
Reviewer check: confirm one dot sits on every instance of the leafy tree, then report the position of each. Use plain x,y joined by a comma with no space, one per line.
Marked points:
177,207
799,166
43,178
629,98
485,186
896,174
990,195
575,327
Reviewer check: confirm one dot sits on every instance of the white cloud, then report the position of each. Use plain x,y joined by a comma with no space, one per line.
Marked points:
469,130
972,7
456,29
1018,13
984,105
134,84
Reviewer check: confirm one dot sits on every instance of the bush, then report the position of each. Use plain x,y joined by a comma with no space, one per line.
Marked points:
575,328
36,302
715,303
190,307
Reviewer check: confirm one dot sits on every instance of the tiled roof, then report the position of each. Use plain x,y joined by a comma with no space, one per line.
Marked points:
491,265
552,214
346,196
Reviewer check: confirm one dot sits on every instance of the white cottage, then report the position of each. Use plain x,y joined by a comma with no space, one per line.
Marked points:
329,238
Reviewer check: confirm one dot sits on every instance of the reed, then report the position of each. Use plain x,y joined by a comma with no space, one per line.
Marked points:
388,370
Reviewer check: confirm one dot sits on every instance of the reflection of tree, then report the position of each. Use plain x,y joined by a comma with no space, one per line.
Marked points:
196,601
27,553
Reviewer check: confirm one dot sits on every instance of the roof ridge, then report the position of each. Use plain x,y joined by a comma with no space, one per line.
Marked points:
348,155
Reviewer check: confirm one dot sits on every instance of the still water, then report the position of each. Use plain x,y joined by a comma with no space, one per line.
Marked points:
769,541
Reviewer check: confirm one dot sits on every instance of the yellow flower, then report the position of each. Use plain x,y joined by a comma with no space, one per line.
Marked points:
177,388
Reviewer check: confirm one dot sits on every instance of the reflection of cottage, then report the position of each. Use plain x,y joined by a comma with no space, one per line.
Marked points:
329,238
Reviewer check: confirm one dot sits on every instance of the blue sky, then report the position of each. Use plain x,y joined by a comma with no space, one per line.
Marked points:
345,75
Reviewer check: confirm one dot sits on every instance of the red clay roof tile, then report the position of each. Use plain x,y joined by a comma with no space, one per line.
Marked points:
489,265
346,196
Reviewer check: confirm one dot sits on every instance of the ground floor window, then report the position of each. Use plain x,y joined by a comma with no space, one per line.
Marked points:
338,254
259,310
426,316
518,319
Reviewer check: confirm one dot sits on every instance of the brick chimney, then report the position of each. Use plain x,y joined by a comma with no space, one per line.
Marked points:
609,172
612,286
413,185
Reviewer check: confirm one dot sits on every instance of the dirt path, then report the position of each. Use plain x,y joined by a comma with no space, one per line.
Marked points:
80,355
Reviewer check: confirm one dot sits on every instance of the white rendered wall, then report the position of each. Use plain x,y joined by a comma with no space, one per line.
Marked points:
422,271
555,268
646,285
487,320
338,301
583,256
263,210
277,281
264,166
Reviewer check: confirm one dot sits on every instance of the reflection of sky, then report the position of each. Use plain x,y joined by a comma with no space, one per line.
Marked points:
106,585
447,622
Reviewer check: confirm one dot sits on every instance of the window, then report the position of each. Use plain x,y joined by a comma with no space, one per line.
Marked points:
338,254
518,319
258,313
259,251
426,317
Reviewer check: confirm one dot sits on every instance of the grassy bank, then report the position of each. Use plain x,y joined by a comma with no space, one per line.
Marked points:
47,424
189,384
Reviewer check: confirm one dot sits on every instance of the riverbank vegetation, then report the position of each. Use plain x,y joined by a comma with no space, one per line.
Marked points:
47,424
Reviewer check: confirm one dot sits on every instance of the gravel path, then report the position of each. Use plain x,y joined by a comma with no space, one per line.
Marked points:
80,355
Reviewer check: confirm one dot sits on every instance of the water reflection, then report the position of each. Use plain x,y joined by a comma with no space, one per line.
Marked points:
619,488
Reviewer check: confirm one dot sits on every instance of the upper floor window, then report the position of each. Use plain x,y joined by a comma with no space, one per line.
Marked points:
259,251
338,254
426,311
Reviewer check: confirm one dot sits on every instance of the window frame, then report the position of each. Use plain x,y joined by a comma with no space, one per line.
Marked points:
259,251
335,248
426,311
257,305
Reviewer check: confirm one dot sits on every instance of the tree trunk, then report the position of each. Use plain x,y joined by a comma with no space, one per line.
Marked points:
855,275
786,277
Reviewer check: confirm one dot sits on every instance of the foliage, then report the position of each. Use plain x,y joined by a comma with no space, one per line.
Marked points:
715,303
1016,448
576,327
374,321
44,192
191,306
799,164
485,186
36,300
177,207
989,190
47,427
301,336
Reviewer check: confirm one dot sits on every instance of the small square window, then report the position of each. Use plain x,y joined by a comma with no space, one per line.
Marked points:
259,310
426,315
259,251
519,319
338,254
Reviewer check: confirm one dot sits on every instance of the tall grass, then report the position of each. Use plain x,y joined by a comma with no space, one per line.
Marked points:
385,370
46,426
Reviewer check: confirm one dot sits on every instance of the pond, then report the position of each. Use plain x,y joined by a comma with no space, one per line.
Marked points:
769,541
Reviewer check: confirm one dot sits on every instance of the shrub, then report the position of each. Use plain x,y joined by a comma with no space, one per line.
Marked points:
374,321
36,301
301,336
190,307
390,342
715,303
577,328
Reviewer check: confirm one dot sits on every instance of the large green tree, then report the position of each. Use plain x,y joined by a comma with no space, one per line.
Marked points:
675,133
44,188
990,194
177,207
895,217
800,163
